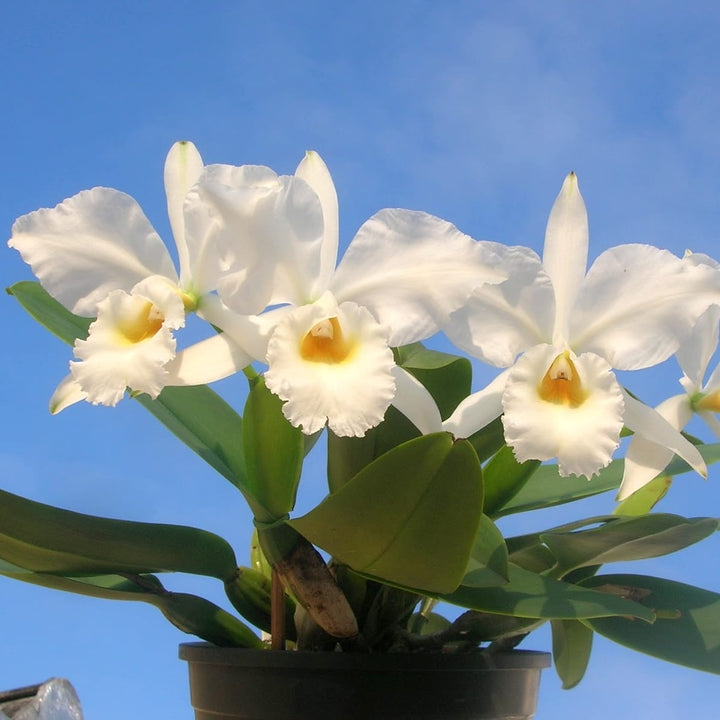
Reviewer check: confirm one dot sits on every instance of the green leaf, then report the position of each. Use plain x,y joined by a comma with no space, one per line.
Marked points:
274,452
47,539
535,596
504,477
571,645
547,488
49,312
206,424
488,564
642,501
488,440
347,456
448,378
687,630
410,517
632,538
189,613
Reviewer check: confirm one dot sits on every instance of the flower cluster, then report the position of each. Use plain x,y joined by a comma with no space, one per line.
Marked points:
419,465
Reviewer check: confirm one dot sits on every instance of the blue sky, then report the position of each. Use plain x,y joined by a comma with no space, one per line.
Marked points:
472,111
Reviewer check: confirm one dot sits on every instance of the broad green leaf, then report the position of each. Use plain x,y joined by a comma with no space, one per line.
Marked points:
489,440
632,538
189,613
488,564
504,477
206,424
571,645
47,539
642,501
347,456
530,595
274,452
410,517
448,378
546,488
687,629
49,312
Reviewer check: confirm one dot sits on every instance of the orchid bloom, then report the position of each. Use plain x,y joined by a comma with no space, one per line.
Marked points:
645,459
98,255
560,398
328,344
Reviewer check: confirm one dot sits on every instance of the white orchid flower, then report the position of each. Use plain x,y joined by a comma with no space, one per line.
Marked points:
645,459
98,255
328,346
561,399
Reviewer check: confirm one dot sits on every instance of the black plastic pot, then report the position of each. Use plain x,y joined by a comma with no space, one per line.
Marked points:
237,684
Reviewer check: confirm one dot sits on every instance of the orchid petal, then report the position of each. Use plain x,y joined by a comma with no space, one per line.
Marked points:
711,421
89,245
414,401
500,321
130,342
264,231
313,170
67,393
645,421
697,348
350,393
565,253
411,270
637,303
478,410
183,167
204,362
645,459
582,437
250,332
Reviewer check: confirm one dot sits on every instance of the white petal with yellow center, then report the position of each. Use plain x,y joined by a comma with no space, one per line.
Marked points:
130,342
559,405
331,364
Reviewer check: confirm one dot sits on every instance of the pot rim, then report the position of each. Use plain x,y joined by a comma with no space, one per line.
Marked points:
201,652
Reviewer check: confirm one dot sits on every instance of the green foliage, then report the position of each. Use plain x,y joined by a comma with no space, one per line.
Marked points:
571,646
686,629
504,478
274,452
410,517
46,539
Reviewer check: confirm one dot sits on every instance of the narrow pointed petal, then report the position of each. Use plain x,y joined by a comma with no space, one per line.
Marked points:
644,421
411,270
637,303
711,421
581,436
315,173
204,362
183,167
565,253
478,410
645,459
349,392
500,321
89,245
263,233
67,393
414,401
697,349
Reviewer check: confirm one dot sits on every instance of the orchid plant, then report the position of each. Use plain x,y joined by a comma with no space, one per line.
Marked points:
420,467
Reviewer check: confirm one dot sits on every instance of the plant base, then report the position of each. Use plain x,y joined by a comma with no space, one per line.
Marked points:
237,684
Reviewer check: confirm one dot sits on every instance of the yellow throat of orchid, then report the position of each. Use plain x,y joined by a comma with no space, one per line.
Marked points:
561,384
142,324
710,401
325,343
